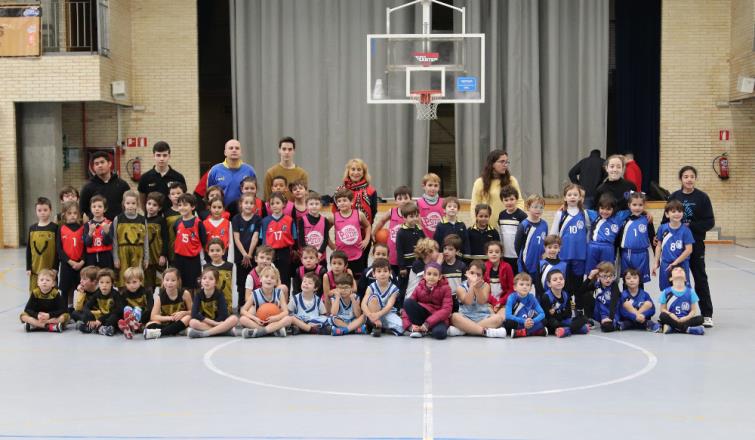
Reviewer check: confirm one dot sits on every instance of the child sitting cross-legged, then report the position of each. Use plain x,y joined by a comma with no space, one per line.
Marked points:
379,303
307,310
475,315
524,316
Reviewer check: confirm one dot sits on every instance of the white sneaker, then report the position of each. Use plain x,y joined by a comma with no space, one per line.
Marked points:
415,335
152,333
495,332
707,322
454,331
281,332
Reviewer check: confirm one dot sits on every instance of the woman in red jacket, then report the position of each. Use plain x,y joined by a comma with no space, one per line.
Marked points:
429,308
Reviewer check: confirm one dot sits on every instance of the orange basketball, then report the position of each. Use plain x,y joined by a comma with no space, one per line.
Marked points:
265,311
382,235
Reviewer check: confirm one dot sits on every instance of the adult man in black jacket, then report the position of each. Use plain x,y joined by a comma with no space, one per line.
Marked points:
105,183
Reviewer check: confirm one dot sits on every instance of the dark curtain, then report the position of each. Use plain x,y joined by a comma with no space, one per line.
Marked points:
638,83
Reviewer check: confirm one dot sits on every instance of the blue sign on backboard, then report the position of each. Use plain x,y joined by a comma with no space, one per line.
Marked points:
466,84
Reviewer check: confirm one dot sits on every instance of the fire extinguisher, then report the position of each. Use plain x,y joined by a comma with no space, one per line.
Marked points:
723,166
134,168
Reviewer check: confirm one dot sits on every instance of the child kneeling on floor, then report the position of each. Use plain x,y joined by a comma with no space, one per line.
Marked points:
475,315
679,306
524,316
46,308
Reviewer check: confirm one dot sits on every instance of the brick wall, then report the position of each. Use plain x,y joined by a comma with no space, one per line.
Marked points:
695,75
742,54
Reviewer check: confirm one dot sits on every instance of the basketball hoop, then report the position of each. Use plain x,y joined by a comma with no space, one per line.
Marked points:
424,102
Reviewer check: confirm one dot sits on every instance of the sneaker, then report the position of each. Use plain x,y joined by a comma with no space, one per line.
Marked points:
339,331
623,325
253,332
519,333
106,330
27,327
128,313
152,333
415,334
563,332
397,332
490,332
324,330
545,332
137,314
708,322
361,330
71,325
281,332
237,332
653,327
376,332
667,329
194,333
124,326
455,331
696,330
585,329
83,327
54,328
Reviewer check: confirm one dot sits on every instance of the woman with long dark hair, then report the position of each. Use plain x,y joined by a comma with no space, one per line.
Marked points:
494,176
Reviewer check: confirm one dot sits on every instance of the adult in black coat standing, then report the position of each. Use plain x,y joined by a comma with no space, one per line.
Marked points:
105,183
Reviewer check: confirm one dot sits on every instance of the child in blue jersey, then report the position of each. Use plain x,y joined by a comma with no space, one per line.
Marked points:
550,262
604,228
557,304
635,237
679,306
346,313
254,327
636,308
674,244
475,315
524,316
572,224
530,237
379,301
508,225
599,295
308,313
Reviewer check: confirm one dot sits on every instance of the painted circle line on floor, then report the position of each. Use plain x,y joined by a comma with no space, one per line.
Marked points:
652,361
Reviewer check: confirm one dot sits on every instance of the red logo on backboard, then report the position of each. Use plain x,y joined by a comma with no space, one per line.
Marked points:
426,58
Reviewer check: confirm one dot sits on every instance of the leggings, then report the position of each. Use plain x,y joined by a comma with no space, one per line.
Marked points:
697,267
69,279
418,315
169,329
681,327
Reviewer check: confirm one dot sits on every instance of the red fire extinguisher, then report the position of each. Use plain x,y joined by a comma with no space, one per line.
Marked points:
134,168
723,166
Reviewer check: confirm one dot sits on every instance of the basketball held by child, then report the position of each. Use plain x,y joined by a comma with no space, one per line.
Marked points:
381,236
265,311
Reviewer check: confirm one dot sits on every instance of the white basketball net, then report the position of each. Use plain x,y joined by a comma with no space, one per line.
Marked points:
427,108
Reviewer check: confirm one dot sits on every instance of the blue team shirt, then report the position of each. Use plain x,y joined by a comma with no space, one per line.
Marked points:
636,301
532,251
229,179
679,303
602,302
673,241
606,230
573,232
518,309
635,233
546,267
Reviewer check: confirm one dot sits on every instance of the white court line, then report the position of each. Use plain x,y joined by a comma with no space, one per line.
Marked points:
427,412
745,258
652,361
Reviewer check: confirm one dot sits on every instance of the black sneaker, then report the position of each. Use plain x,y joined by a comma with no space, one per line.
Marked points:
27,326
84,328
376,332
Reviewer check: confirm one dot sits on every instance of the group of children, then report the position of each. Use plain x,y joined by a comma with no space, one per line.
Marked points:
432,275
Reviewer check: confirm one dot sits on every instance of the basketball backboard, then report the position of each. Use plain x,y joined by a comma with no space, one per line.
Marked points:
400,64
